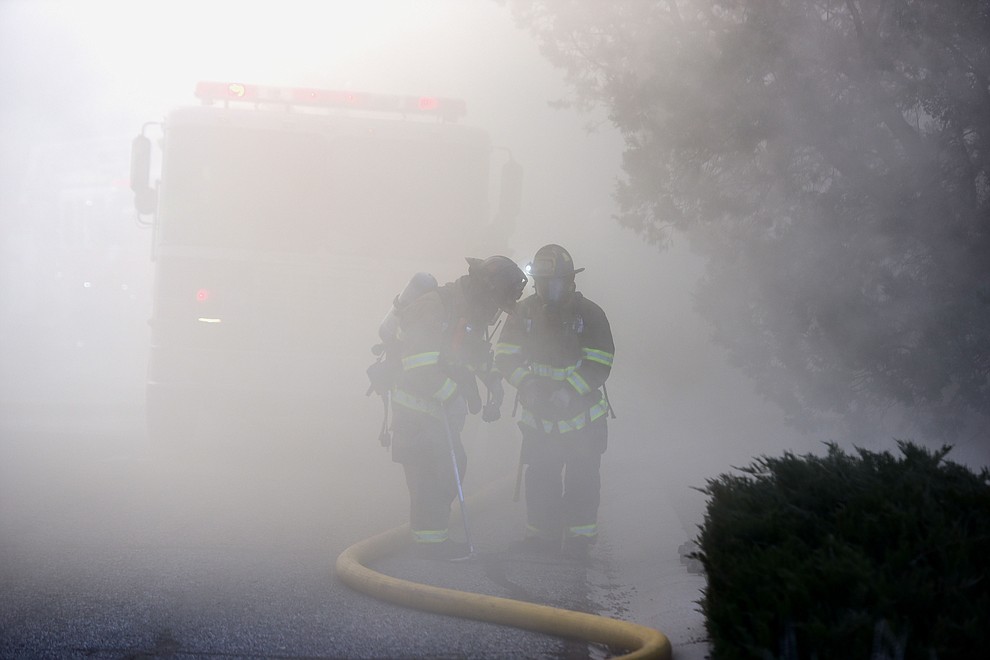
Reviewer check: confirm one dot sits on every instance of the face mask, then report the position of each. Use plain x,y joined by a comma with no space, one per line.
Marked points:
553,290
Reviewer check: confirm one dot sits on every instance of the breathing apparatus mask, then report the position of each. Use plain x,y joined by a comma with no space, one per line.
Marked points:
554,291
553,272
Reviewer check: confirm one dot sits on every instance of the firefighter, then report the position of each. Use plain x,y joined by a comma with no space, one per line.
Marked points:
445,350
556,349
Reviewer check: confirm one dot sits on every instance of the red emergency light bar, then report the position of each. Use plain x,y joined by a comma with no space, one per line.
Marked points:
229,92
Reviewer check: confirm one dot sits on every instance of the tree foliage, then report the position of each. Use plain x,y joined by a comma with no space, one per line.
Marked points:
831,159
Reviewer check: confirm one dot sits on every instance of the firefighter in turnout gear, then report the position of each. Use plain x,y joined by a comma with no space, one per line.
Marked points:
445,351
556,349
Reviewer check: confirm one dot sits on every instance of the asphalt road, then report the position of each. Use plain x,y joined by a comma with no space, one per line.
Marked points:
106,553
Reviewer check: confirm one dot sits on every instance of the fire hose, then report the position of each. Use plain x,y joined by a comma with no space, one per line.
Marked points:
641,641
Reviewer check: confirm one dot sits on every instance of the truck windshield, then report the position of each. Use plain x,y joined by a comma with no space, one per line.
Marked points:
298,192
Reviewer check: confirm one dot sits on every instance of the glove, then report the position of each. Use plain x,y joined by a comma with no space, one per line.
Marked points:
496,394
467,385
560,398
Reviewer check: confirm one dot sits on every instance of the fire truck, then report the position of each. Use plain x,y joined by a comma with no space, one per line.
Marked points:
284,220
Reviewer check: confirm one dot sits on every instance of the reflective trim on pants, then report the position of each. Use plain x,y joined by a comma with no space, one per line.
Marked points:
588,531
429,535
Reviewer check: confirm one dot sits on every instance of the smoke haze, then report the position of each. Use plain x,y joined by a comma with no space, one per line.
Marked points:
72,367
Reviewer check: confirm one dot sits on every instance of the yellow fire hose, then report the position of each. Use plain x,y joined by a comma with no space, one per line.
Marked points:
643,642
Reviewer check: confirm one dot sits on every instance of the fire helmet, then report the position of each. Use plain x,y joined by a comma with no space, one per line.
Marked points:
552,261
502,278
553,272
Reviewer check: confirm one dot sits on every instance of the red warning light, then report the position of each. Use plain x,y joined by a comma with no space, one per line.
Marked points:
427,103
233,92
202,295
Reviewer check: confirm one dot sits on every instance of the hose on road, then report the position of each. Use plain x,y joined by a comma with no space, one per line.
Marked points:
643,642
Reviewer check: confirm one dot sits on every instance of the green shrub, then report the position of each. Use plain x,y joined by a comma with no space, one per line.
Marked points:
848,556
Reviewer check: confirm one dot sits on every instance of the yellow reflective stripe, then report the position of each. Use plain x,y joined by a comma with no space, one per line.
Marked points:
578,382
583,530
601,357
507,349
413,402
597,410
446,390
516,377
575,423
550,371
562,374
429,535
529,419
420,360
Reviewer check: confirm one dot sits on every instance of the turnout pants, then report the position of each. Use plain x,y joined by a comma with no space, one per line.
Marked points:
563,481
420,443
